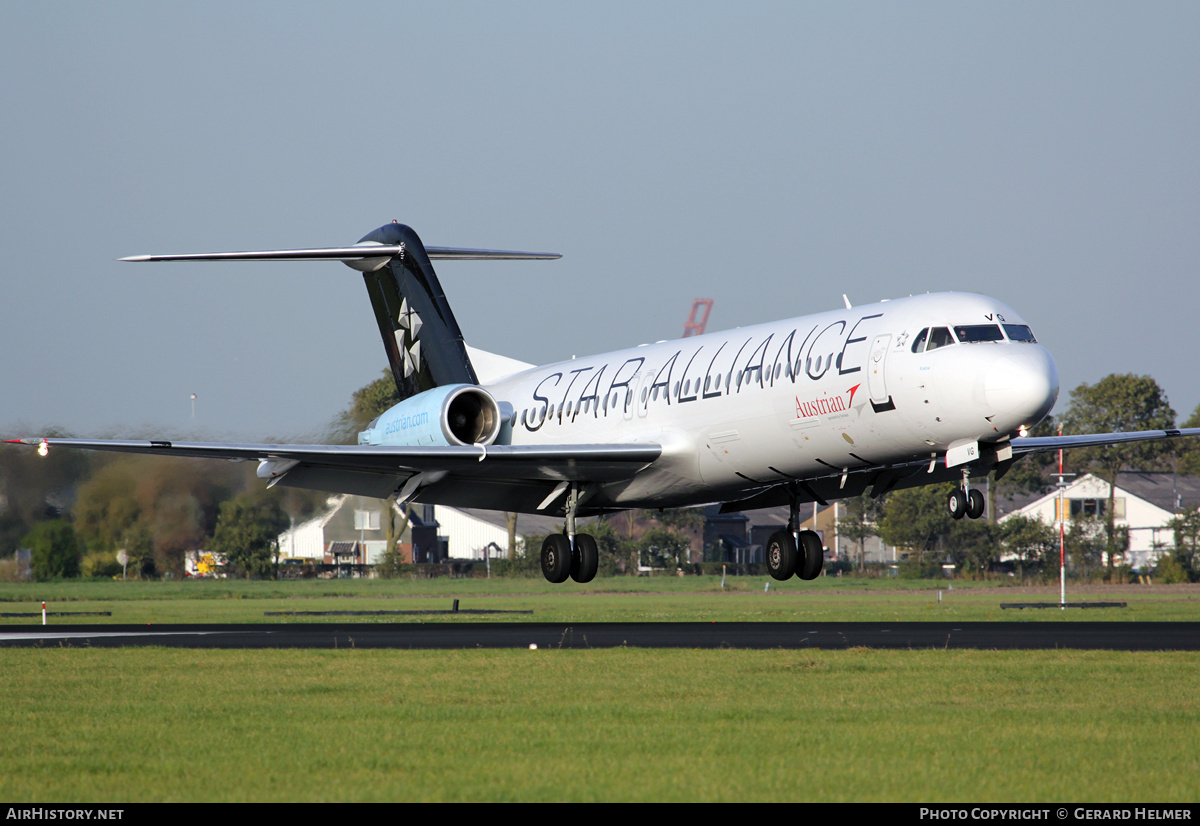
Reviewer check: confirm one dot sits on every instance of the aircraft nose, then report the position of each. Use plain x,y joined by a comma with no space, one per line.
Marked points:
1022,385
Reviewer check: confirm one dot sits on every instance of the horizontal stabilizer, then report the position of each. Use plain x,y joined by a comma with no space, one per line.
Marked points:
464,254
354,253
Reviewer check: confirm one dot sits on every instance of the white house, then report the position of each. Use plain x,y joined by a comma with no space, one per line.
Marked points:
1144,503
470,531
346,518
468,536
358,523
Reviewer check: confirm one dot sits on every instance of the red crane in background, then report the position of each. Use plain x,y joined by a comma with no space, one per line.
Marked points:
694,326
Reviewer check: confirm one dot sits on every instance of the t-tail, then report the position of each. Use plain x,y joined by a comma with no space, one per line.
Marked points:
422,339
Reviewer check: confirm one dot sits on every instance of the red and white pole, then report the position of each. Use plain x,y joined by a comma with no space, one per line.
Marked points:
1062,542
43,612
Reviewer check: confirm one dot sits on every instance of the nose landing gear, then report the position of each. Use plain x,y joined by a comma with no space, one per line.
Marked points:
792,552
966,501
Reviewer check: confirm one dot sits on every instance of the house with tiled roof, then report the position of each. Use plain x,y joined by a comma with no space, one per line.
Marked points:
1143,503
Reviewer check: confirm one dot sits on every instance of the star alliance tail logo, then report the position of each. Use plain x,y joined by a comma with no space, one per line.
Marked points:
406,338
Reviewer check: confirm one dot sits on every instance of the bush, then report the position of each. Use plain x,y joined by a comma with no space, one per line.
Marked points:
929,567
100,564
842,566
393,566
56,550
1169,571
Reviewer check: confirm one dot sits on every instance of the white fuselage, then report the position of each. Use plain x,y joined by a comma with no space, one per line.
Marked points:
746,408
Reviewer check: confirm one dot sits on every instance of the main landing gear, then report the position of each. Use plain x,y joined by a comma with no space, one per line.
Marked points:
570,554
560,561
790,552
966,501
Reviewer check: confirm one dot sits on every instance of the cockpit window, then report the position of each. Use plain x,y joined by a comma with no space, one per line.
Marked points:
974,333
1019,332
939,337
918,345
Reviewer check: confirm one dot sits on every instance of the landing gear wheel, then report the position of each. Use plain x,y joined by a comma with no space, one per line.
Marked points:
781,555
957,504
556,558
585,559
813,556
975,504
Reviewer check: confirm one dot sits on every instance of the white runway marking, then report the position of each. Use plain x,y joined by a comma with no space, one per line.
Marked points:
66,635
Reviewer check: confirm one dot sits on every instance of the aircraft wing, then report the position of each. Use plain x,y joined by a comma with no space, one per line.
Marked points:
1035,444
381,470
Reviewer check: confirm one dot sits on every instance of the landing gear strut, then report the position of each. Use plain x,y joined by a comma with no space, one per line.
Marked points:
966,501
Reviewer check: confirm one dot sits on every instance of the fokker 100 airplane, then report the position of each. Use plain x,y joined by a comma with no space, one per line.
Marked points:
897,394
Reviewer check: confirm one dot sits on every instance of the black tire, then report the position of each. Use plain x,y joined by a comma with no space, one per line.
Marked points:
975,504
586,558
556,558
957,504
781,555
812,556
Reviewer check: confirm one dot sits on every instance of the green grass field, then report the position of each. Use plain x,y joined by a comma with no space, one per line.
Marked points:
127,725
156,724
629,599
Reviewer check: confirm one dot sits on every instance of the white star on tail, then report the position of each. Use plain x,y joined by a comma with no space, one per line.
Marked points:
410,353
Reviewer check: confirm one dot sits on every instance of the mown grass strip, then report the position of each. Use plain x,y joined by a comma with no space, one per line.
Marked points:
623,724
189,603
223,589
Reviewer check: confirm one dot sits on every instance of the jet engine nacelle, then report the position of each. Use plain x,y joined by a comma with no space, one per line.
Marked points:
454,414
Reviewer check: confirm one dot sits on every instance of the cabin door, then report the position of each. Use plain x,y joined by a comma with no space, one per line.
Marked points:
875,375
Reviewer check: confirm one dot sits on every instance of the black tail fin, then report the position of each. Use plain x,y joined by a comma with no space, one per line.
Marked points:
423,341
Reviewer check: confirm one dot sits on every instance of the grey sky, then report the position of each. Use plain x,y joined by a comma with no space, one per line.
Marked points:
770,156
